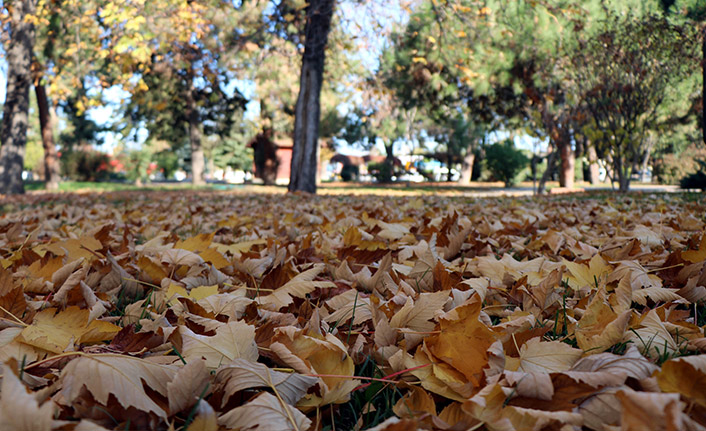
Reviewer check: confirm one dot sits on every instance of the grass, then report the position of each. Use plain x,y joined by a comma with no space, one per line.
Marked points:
370,405
87,186
476,189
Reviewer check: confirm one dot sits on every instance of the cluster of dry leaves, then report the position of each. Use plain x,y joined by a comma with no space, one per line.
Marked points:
236,312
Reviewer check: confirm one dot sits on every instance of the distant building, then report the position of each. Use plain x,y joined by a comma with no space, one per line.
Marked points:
272,158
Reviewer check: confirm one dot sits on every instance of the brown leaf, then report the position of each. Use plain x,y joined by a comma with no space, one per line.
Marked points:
117,375
19,410
265,412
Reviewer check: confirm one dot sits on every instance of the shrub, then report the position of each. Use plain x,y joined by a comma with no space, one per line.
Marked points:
382,172
504,161
670,168
81,165
697,180
349,173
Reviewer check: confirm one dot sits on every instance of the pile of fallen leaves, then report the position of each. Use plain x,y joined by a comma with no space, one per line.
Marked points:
207,311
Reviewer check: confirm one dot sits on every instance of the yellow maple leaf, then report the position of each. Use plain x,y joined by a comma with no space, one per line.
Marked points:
582,275
699,255
464,343
54,331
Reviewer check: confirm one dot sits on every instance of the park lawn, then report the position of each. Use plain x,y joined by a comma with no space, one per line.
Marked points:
190,305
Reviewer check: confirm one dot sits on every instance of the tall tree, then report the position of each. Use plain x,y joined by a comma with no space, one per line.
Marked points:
51,158
15,119
623,75
304,166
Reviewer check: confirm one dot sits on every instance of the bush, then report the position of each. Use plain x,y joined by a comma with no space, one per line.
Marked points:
697,180
80,165
504,161
382,172
671,167
349,173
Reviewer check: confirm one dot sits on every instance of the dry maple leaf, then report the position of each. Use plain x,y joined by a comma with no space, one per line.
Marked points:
54,331
547,356
123,377
205,418
652,337
602,325
650,411
242,374
696,255
19,410
463,343
686,376
297,287
309,351
190,384
590,275
233,340
177,257
11,347
265,412
608,369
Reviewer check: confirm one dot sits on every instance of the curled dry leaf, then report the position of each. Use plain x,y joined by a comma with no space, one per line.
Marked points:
54,330
233,340
494,314
190,384
297,287
242,374
123,377
265,412
19,410
547,356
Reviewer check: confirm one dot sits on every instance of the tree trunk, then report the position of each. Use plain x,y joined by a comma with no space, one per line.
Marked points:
467,167
593,168
703,84
16,110
197,159
449,176
541,187
651,140
568,161
623,172
308,109
51,158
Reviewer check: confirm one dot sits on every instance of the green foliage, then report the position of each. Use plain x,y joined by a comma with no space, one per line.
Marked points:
350,173
671,165
623,74
167,162
232,151
137,163
85,165
382,172
697,180
505,162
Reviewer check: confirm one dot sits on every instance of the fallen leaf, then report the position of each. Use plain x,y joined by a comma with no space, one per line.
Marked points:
121,376
233,340
265,412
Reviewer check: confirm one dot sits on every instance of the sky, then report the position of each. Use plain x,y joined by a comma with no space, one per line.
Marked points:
373,20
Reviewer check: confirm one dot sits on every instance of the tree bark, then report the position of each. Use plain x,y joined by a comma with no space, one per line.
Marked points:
16,110
568,162
551,157
651,140
197,158
51,158
307,113
449,176
593,168
467,167
703,84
